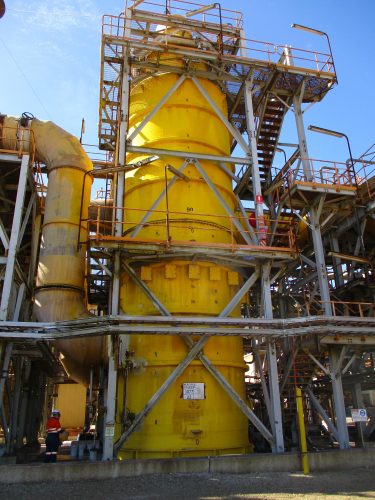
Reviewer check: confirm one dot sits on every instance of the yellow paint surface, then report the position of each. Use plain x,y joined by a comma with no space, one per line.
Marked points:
71,401
178,426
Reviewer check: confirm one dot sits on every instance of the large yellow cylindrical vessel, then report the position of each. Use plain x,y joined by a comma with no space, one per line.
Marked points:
195,416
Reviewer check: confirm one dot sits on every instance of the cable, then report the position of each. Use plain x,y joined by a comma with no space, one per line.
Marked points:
25,77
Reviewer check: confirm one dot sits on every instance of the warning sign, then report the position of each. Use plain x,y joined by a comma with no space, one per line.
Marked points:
193,390
359,415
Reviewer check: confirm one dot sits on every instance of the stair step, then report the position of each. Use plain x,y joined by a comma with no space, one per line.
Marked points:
269,128
275,117
274,109
263,134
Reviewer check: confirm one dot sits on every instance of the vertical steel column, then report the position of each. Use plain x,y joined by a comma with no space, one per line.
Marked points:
273,376
109,426
25,393
320,261
314,211
250,122
297,104
35,408
13,242
338,398
4,369
16,396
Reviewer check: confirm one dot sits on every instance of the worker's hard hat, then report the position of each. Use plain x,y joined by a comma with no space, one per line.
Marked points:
56,412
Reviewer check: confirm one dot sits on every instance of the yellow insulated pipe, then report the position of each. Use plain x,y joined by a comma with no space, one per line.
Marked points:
302,432
195,416
59,293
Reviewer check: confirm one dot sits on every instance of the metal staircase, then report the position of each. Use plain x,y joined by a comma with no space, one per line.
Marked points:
268,133
99,275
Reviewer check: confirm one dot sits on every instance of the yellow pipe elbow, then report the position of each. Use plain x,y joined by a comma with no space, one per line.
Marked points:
60,293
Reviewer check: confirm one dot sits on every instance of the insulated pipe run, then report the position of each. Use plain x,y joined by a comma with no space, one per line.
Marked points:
60,292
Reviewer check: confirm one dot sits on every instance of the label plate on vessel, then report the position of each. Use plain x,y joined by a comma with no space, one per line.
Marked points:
193,390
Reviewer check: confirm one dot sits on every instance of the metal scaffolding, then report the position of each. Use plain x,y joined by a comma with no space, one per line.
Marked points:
301,235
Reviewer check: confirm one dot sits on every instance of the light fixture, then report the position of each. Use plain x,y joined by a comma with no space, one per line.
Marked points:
310,30
326,131
320,33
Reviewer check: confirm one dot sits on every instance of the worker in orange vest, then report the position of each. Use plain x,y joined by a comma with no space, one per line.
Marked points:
53,440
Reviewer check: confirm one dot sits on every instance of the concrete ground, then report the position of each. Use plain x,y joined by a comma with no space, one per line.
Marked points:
353,484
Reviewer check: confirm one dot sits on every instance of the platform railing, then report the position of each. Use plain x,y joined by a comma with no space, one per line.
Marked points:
99,158
322,172
365,177
113,27
213,13
18,141
339,308
344,308
182,228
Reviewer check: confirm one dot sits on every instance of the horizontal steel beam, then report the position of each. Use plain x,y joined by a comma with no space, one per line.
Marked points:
185,154
340,330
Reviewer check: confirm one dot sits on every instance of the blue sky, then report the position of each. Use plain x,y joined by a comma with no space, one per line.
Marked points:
50,55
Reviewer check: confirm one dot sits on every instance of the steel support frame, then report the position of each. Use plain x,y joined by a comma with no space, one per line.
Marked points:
273,376
314,211
259,367
156,108
36,389
319,408
196,348
146,290
4,371
231,129
109,419
20,395
253,154
183,154
252,159
110,398
3,236
288,368
17,363
336,360
162,195
204,360
233,395
222,202
14,240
